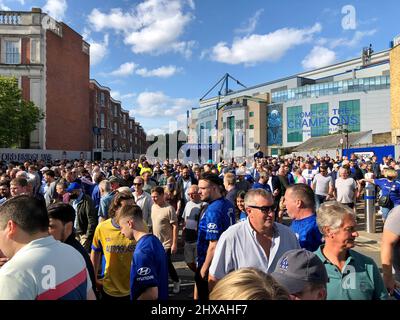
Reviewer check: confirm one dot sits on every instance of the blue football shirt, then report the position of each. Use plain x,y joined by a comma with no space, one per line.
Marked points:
149,268
389,187
261,186
219,216
306,230
242,216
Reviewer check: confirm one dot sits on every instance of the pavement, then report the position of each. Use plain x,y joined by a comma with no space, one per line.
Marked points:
367,244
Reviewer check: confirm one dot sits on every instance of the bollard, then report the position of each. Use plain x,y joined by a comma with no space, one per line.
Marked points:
370,216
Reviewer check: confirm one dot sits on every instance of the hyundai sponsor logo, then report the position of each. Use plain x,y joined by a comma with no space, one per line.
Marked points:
212,226
143,271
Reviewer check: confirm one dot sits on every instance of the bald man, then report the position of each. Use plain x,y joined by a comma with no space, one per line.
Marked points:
191,218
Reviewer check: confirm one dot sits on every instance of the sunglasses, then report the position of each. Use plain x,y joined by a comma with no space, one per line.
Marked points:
137,184
264,209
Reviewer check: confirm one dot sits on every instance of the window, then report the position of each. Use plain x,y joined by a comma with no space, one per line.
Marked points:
294,124
115,128
231,132
318,123
102,99
13,51
102,120
251,114
251,126
35,51
102,143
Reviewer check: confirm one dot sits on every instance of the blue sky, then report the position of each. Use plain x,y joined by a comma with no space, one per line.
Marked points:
160,56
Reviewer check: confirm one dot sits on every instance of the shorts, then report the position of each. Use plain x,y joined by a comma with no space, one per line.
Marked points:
190,252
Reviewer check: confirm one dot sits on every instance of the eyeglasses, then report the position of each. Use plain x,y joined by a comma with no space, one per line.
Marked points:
137,184
264,209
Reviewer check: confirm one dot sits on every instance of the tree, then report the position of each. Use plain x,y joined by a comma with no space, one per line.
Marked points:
18,118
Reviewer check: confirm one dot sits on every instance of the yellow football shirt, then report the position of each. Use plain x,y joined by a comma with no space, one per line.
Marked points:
118,252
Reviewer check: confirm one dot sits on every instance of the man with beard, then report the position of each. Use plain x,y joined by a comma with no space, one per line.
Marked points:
218,217
4,191
86,217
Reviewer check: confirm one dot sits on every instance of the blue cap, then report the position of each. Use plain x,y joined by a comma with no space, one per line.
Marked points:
74,186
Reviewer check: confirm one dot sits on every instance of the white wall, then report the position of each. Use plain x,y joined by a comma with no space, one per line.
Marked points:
374,111
21,155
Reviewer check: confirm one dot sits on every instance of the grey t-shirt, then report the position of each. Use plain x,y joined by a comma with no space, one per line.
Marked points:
345,190
321,184
393,224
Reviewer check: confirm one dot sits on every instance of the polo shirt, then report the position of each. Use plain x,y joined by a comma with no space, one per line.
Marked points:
359,280
238,248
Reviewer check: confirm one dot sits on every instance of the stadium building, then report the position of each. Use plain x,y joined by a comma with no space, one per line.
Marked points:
348,105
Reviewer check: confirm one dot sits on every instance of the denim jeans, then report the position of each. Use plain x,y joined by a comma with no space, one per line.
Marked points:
385,212
319,199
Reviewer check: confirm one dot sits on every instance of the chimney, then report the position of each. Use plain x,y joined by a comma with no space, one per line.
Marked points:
36,10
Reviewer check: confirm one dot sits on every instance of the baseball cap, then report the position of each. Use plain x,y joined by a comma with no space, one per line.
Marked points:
74,186
296,268
44,169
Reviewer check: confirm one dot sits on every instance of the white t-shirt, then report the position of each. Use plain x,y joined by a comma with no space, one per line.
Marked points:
45,269
345,190
309,175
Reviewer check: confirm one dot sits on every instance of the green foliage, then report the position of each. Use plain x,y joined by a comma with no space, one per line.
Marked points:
18,118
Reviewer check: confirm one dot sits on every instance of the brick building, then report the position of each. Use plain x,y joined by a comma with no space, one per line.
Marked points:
114,131
52,64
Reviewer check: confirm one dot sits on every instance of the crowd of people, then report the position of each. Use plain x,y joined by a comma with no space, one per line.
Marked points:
271,229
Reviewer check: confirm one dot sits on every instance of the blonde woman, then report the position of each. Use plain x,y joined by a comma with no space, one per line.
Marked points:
248,284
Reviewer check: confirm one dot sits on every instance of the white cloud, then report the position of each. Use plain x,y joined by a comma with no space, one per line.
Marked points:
251,24
353,42
153,26
161,72
157,104
116,20
124,70
86,33
4,7
128,96
319,57
98,50
56,8
179,122
191,4
116,95
256,48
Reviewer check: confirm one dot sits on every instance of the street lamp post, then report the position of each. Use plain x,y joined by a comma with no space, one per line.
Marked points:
344,129
341,144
